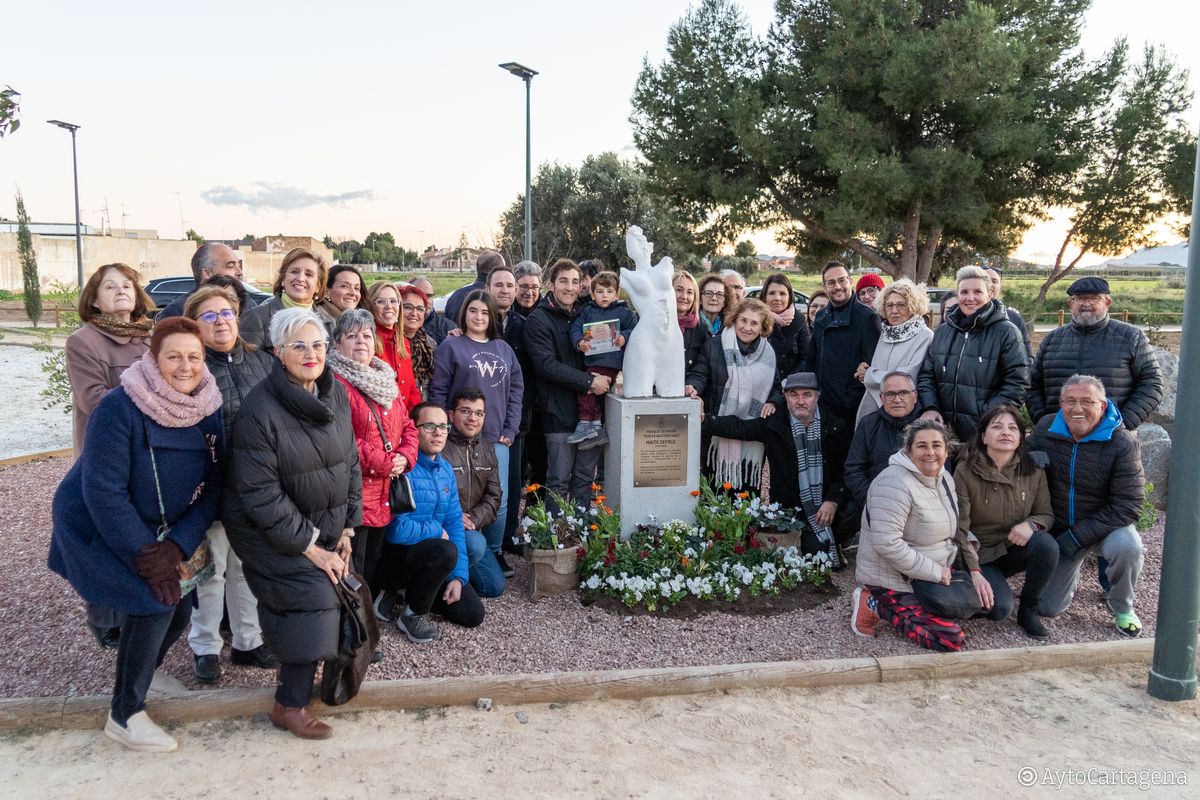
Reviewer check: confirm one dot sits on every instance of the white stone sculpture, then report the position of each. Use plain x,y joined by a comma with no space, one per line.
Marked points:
654,353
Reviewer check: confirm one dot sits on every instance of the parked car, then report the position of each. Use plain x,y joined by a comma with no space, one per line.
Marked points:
935,296
800,297
163,290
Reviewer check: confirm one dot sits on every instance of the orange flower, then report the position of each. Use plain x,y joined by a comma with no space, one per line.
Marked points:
695,492
594,526
727,486
533,487
597,487
684,560
599,498
743,495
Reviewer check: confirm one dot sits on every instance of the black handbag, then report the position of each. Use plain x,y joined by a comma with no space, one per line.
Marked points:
358,635
400,494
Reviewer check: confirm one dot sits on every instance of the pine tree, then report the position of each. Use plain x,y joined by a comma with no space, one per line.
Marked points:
29,269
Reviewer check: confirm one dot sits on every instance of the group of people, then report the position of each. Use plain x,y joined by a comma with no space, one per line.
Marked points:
274,436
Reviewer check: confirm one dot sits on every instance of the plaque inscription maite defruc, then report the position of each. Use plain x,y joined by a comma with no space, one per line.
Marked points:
660,450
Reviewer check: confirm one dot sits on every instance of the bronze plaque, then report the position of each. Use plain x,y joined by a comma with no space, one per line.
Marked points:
660,449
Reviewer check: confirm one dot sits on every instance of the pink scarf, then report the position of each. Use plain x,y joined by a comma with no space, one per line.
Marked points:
786,317
155,398
688,321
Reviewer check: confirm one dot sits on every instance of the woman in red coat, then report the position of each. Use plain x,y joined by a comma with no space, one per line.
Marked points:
386,437
392,347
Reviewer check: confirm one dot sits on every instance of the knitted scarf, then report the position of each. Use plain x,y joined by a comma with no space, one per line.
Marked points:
376,380
785,319
904,331
688,321
155,398
421,348
134,329
711,325
811,470
751,377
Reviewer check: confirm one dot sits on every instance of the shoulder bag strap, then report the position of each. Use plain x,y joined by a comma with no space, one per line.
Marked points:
387,446
163,528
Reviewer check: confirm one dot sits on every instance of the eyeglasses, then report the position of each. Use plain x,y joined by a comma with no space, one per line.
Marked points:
386,301
529,289
433,427
712,295
1073,403
409,308
210,317
895,306
470,412
838,282
896,395
300,348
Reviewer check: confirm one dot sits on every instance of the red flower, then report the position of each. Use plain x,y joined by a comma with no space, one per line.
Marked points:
643,554
739,548
754,543
718,535
609,560
580,553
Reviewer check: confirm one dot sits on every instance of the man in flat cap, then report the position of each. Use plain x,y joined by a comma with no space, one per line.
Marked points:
1092,343
806,450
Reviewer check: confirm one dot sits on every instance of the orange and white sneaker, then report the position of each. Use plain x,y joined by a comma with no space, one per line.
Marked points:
863,619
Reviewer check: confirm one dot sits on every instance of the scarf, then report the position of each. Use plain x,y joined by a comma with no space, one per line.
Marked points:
785,319
750,380
311,407
811,469
155,398
329,308
904,331
688,321
290,303
711,325
376,380
139,329
421,348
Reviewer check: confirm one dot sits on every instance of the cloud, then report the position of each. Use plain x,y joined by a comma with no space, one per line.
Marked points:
277,196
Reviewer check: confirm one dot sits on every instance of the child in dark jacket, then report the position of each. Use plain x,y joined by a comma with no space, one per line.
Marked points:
603,307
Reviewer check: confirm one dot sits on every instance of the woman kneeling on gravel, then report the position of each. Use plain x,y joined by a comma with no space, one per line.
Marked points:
135,505
909,544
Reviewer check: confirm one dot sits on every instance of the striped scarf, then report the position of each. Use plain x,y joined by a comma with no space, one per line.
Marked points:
811,470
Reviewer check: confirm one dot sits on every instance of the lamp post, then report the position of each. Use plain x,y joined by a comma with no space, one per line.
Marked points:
526,74
67,126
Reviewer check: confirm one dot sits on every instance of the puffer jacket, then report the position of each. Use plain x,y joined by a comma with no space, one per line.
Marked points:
374,460
909,527
557,365
1117,353
842,338
435,493
1096,484
477,474
255,322
991,501
876,440
295,481
237,373
972,364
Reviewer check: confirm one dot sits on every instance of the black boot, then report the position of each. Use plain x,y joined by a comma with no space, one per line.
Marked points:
1031,623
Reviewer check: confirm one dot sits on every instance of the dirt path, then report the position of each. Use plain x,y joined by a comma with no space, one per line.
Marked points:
915,739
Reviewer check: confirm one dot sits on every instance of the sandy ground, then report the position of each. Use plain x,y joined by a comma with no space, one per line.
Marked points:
28,426
913,739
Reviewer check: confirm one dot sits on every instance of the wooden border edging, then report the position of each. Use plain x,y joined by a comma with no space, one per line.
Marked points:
25,459
88,713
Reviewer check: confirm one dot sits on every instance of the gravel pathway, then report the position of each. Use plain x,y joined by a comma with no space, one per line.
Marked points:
29,427
51,652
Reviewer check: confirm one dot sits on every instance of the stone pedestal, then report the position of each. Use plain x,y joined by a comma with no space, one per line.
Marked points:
652,464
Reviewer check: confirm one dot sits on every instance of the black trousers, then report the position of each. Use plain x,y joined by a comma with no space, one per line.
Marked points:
421,571
145,640
295,684
366,546
1038,559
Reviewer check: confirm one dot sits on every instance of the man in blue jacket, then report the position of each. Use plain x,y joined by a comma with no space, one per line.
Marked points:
1096,488
425,555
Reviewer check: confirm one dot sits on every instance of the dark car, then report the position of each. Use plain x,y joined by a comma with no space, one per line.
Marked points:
163,290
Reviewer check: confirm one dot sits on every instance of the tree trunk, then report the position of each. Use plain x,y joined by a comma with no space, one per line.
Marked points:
910,247
925,260
1057,272
853,244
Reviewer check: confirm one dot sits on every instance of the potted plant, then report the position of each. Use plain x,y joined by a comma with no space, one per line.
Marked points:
553,544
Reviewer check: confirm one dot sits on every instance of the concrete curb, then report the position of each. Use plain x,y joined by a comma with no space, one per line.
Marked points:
25,459
89,713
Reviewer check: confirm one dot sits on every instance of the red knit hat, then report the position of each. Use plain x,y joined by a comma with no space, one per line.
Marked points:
869,279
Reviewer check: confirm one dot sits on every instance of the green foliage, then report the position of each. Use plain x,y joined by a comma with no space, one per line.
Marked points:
378,248
1149,514
583,213
745,249
195,237
889,128
57,391
9,106
32,289
746,265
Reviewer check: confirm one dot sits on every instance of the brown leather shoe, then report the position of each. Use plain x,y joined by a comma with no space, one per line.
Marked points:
299,722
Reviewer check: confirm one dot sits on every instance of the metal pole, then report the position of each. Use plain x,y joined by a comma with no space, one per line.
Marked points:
1173,671
78,226
528,199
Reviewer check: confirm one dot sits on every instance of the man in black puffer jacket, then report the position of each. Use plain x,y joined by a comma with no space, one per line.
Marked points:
877,436
561,376
975,361
1096,488
1093,343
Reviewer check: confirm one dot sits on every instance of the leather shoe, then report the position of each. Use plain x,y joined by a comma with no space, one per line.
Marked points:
299,722
258,657
208,668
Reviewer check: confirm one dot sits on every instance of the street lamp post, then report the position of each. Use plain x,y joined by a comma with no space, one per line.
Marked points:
526,74
67,126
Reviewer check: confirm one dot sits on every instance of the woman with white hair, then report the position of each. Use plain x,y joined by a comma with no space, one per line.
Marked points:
291,506
903,341
975,361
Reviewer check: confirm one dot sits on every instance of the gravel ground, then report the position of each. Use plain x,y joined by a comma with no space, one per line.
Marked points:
29,426
52,653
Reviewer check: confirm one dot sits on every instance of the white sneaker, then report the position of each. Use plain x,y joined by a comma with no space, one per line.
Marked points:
165,685
140,733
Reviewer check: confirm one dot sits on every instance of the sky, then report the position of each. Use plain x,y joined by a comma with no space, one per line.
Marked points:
349,117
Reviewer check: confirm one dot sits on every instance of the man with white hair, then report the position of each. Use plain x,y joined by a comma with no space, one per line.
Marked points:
736,284
1096,489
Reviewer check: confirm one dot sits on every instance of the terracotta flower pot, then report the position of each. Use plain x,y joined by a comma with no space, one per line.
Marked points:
554,572
772,540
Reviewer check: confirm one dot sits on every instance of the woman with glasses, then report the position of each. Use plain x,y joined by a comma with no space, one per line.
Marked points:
391,345
481,359
716,301
529,287
291,506
237,369
413,305
903,342
300,283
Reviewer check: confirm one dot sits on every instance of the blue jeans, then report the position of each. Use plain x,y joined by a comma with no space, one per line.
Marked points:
494,532
486,576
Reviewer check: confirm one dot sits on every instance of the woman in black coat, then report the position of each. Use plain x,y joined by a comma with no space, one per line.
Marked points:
293,500
789,334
